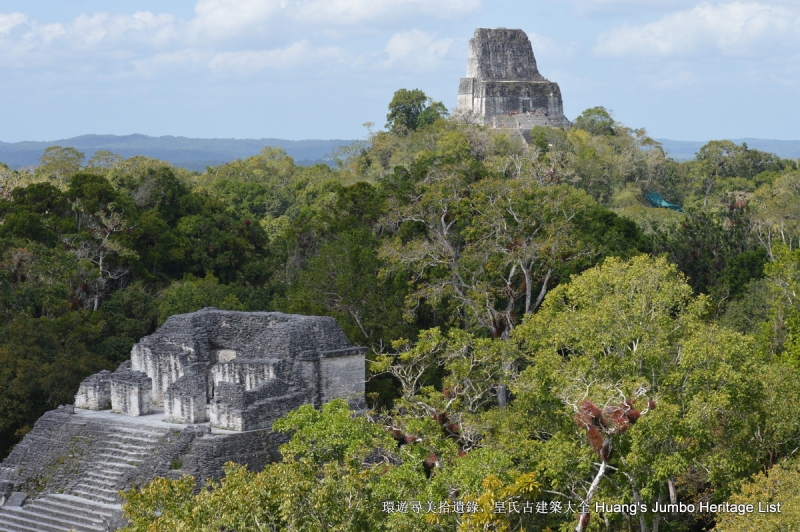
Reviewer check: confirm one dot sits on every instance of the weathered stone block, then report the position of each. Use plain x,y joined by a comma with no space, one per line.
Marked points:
16,498
94,392
131,393
342,376
248,372
185,400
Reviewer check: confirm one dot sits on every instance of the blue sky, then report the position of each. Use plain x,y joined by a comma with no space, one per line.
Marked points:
298,69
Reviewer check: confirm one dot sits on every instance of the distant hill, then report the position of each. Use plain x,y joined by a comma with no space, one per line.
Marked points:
682,150
194,154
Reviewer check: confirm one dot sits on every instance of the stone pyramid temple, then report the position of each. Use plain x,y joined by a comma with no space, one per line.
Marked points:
201,391
503,87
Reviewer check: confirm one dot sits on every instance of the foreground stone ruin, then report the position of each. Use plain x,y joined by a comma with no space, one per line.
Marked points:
201,391
503,87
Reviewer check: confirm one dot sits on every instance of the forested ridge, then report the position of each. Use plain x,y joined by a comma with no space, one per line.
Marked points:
540,337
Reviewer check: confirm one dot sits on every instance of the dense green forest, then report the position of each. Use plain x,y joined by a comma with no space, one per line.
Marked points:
540,337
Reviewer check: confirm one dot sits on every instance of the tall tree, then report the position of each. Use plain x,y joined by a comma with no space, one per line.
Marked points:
411,109
58,163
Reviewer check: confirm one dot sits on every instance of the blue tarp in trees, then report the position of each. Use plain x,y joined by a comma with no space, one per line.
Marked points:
654,199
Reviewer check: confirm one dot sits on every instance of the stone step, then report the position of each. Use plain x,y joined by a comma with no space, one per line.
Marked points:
11,523
105,482
61,513
37,519
132,440
116,473
124,456
112,466
104,474
96,495
125,450
19,521
116,444
78,504
134,435
95,488
141,429
104,485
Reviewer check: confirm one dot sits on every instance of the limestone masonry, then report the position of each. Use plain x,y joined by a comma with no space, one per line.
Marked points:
201,391
503,87
236,370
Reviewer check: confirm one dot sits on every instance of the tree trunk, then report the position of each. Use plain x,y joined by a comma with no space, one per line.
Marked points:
358,322
642,523
673,493
543,291
582,524
528,288
708,191
657,517
502,396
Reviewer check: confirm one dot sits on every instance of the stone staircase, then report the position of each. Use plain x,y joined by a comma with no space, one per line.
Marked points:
58,513
91,501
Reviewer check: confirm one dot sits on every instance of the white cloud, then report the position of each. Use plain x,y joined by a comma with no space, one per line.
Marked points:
417,47
44,34
298,55
633,7
239,27
351,12
673,79
153,65
544,46
8,21
98,33
733,29
221,19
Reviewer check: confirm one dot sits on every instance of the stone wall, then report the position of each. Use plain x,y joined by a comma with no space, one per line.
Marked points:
62,446
502,54
94,392
503,81
131,393
228,370
337,380
48,456
245,368
185,400
207,455
65,452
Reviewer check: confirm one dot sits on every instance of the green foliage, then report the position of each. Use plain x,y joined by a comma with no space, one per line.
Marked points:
42,361
706,244
596,121
192,294
59,164
631,331
780,486
412,109
341,279
499,294
128,315
337,471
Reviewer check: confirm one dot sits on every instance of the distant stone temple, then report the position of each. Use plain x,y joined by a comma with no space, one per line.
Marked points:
236,370
503,87
201,391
